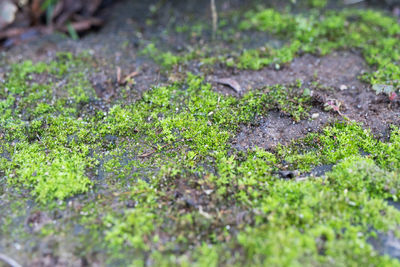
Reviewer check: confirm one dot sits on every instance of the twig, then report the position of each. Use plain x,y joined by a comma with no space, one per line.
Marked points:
352,2
125,80
214,15
118,75
9,261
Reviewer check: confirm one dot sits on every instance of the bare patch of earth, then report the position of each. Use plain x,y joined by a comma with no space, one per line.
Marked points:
276,128
332,71
333,77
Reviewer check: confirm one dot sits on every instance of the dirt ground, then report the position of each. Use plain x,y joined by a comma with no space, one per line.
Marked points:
338,76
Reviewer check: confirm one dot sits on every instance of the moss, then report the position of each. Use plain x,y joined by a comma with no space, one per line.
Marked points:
358,175
32,98
338,142
315,222
39,127
56,175
268,20
387,154
317,3
257,58
174,181
307,218
166,59
137,225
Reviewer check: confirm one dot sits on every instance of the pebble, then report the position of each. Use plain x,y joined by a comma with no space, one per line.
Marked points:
314,116
343,87
208,191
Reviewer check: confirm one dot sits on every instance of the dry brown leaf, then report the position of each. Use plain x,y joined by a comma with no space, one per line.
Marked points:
129,76
231,83
20,16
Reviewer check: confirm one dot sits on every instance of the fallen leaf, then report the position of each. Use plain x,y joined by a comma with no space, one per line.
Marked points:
231,83
130,76
392,96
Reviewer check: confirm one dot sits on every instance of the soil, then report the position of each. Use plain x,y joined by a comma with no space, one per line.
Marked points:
333,73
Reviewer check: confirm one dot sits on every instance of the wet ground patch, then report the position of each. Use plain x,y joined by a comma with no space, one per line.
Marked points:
331,79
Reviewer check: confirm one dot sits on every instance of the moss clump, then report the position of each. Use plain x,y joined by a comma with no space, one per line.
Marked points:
341,141
167,59
356,174
291,100
137,225
268,20
335,143
33,90
258,58
317,3
317,221
55,175
47,146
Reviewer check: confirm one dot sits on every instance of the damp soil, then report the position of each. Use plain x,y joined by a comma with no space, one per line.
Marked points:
117,46
332,77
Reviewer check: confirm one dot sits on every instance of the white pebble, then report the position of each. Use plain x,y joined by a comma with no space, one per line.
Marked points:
314,116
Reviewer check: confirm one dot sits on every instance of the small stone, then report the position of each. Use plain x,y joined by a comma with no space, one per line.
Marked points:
208,191
343,87
314,116
288,174
8,11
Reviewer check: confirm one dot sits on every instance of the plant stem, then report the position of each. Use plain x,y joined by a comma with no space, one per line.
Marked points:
214,15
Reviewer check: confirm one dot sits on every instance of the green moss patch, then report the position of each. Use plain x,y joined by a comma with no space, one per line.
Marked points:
316,221
158,180
45,143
